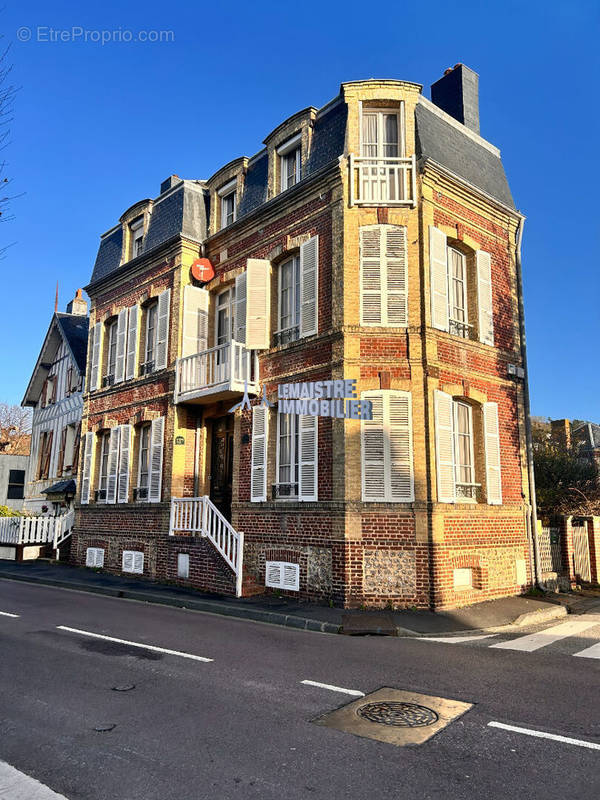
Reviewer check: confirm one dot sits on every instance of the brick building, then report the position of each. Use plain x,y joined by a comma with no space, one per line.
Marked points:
373,240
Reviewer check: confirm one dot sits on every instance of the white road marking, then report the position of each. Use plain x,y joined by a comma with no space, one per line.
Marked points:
6,614
456,639
15,785
134,644
534,641
589,652
544,735
353,692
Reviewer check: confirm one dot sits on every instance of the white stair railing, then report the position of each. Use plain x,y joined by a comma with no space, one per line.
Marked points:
199,515
64,528
36,530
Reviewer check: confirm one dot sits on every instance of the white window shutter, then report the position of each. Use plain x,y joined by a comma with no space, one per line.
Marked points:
132,332
121,345
86,473
373,450
138,561
157,436
493,475
370,275
484,297
162,325
291,577
274,574
113,465
308,466
90,557
96,354
396,275
258,474
438,262
195,320
309,287
258,304
444,447
399,440
241,293
124,463
127,564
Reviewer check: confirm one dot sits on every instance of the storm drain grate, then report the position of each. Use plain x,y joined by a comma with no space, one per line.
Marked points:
400,715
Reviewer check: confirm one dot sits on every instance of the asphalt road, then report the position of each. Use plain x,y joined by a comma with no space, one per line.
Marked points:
239,725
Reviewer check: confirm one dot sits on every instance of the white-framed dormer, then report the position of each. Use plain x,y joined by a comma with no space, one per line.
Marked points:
289,156
134,223
228,201
382,131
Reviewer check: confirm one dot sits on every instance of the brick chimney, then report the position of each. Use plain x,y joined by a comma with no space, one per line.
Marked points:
77,305
561,432
457,93
171,181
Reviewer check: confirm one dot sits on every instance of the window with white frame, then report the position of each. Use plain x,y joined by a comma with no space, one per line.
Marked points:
224,331
288,323
290,160
103,467
380,134
464,460
136,229
287,456
457,293
228,197
141,492
150,336
382,177
111,352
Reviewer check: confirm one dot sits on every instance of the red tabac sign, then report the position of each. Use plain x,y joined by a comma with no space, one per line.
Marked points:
202,270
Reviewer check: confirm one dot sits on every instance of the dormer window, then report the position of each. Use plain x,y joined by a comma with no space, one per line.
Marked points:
137,235
228,197
289,154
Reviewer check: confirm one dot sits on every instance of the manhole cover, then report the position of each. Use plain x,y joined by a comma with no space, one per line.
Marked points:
400,715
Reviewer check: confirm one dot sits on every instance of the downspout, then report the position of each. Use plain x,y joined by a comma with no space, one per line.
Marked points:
532,513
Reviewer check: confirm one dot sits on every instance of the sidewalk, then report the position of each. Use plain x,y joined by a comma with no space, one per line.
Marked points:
488,615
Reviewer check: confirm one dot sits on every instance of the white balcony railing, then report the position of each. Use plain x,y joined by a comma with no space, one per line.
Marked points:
382,181
36,530
199,516
225,370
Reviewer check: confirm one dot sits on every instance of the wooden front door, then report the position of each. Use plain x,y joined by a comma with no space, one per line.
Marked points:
221,464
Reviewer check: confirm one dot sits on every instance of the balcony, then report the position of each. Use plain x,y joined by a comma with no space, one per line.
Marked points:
219,373
382,181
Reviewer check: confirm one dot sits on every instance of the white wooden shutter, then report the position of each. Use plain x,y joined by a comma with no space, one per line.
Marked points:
86,473
94,557
438,261
399,441
493,475
195,320
162,325
124,463
113,465
258,474
127,564
241,284
309,287
444,447
258,304
396,274
484,297
291,577
157,436
308,461
386,448
370,275
138,561
96,351
121,345
132,331
274,574
373,450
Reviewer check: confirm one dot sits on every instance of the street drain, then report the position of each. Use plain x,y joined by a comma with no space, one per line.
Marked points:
104,728
400,715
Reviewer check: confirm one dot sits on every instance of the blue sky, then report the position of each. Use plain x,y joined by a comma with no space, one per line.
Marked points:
98,127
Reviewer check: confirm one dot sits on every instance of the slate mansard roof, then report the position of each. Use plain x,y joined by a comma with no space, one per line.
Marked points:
184,208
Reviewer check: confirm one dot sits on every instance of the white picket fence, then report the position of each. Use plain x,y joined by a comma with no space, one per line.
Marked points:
199,515
36,530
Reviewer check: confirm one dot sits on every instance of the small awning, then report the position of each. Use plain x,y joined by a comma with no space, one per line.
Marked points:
62,487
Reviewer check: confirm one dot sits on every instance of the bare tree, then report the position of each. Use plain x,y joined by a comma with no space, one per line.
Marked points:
15,429
7,97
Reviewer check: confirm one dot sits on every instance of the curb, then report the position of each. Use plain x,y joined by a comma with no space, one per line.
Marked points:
543,615
210,606
529,618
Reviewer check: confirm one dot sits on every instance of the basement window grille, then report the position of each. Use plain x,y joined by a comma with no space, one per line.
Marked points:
94,557
282,575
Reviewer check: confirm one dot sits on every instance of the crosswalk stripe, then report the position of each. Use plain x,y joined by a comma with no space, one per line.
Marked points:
15,785
456,639
534,641
589,652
